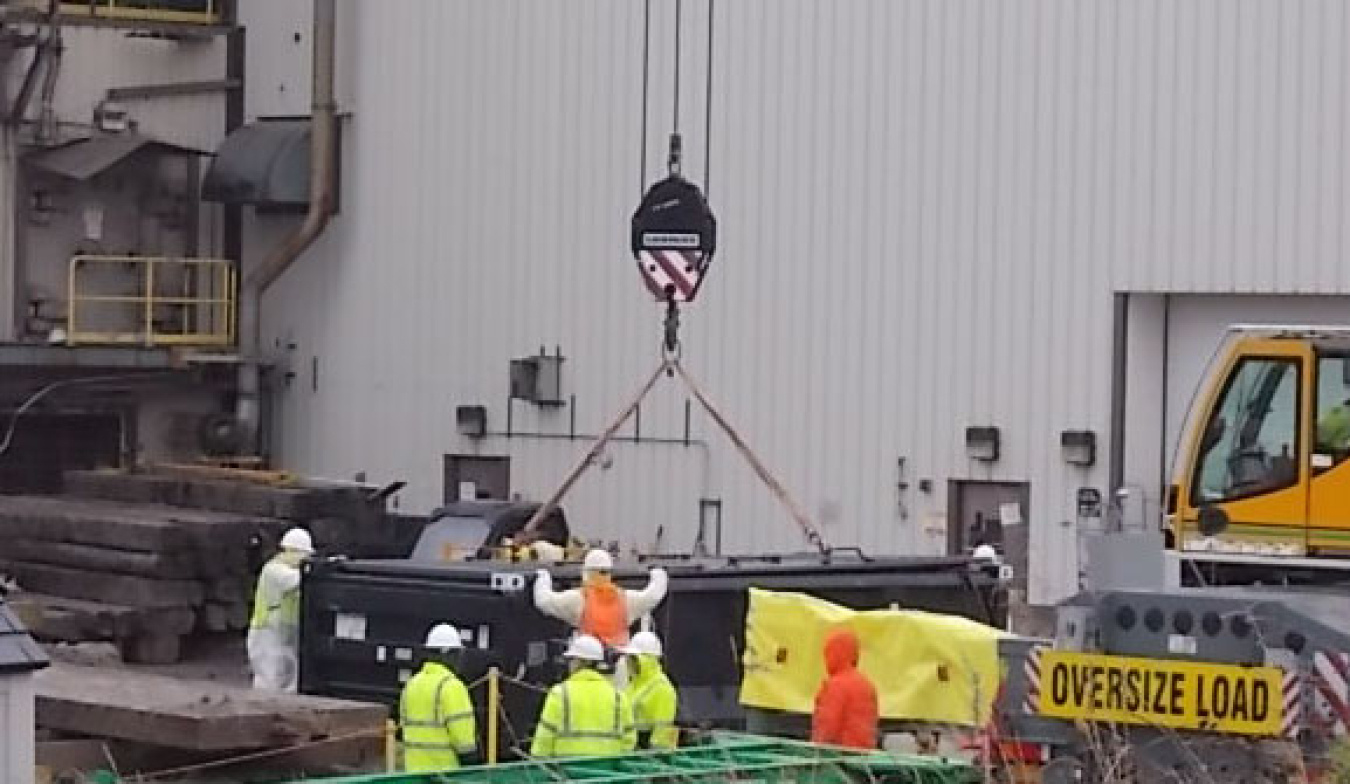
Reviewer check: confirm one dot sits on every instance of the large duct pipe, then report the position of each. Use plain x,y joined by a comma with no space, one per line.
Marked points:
323,133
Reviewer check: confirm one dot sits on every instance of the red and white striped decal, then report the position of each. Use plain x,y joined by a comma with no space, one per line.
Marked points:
1032,669
1331,677
1293,704
674,271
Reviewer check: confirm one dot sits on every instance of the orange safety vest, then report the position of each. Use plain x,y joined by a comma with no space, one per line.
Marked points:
604,614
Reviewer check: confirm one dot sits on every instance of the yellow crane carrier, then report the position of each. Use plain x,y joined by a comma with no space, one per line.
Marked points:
1260,489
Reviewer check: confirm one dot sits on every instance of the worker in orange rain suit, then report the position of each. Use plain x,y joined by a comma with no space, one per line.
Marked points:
599,607
846,705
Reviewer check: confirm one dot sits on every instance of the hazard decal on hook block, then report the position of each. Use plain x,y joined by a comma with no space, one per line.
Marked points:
674,236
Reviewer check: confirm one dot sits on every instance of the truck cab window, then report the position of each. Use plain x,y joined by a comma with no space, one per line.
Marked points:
1250,442
1333,408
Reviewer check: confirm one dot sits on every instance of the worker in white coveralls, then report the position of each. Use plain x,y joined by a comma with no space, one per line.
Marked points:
274,630
599,607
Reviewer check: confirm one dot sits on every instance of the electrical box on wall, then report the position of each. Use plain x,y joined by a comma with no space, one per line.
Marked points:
538,379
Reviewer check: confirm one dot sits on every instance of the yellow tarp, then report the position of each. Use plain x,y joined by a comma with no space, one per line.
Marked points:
926,667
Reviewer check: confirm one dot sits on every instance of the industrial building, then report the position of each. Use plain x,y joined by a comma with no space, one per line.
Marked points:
973,256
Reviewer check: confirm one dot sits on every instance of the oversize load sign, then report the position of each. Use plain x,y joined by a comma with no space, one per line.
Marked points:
1176,694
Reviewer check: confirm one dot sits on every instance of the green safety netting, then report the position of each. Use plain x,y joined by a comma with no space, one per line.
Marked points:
727,758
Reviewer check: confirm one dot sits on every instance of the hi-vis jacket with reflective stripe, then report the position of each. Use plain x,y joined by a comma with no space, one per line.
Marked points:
654,704
437,718
584,716
276,600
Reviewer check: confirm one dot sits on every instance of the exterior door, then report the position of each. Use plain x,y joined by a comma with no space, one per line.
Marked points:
1246,490
470,477
993,513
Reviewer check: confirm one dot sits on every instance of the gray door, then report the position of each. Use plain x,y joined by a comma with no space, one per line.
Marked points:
995,513
468,477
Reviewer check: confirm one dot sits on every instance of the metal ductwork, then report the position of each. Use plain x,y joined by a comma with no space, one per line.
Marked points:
321,199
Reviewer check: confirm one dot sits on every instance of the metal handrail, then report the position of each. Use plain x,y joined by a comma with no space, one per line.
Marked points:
204,306
141,10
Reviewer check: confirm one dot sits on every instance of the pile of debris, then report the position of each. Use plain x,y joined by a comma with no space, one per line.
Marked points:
146,559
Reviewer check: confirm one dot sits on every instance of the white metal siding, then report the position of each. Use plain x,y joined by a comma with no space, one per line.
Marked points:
926,207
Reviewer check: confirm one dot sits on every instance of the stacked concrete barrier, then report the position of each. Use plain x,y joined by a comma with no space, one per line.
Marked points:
147,559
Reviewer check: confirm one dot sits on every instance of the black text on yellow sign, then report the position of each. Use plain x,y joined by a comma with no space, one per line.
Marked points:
1175,694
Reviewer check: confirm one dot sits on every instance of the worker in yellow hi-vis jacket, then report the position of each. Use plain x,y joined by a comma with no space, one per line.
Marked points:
655,701
436,716
584,716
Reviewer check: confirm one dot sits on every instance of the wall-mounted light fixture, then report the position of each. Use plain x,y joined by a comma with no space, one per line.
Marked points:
982,443
471,421
1079,447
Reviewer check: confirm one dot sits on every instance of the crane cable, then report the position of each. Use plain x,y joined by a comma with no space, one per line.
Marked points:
670,356
674,367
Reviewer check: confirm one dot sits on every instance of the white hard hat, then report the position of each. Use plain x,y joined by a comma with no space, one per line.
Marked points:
598,561
297,539
586,648
644,643
444,637
985,552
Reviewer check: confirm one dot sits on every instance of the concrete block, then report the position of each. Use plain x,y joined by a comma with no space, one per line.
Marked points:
111,588
164,564
151,649
206,716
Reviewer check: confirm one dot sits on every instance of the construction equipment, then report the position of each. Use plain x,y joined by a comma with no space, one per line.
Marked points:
1243,686
1261,481
362,622
725,758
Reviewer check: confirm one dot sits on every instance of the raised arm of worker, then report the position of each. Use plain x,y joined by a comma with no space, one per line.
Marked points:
566,605
456,710
282,577
642,602
546,731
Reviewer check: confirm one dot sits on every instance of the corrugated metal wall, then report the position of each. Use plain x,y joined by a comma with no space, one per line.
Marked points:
926,207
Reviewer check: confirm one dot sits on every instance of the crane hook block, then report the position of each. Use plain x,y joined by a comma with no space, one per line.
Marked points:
674,238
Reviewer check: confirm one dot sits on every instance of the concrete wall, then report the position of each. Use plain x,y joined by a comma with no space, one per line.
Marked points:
927,207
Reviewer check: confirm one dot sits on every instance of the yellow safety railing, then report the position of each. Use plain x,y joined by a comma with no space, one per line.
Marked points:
150,301
183,11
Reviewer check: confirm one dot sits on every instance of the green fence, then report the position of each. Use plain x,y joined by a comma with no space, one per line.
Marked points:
738,758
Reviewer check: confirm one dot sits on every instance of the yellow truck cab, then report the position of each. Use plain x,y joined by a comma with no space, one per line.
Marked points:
1261,468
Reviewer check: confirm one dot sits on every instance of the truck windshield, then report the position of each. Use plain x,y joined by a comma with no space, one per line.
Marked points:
1251,439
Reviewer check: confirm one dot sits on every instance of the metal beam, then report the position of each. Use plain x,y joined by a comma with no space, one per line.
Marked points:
145,91
1120,344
